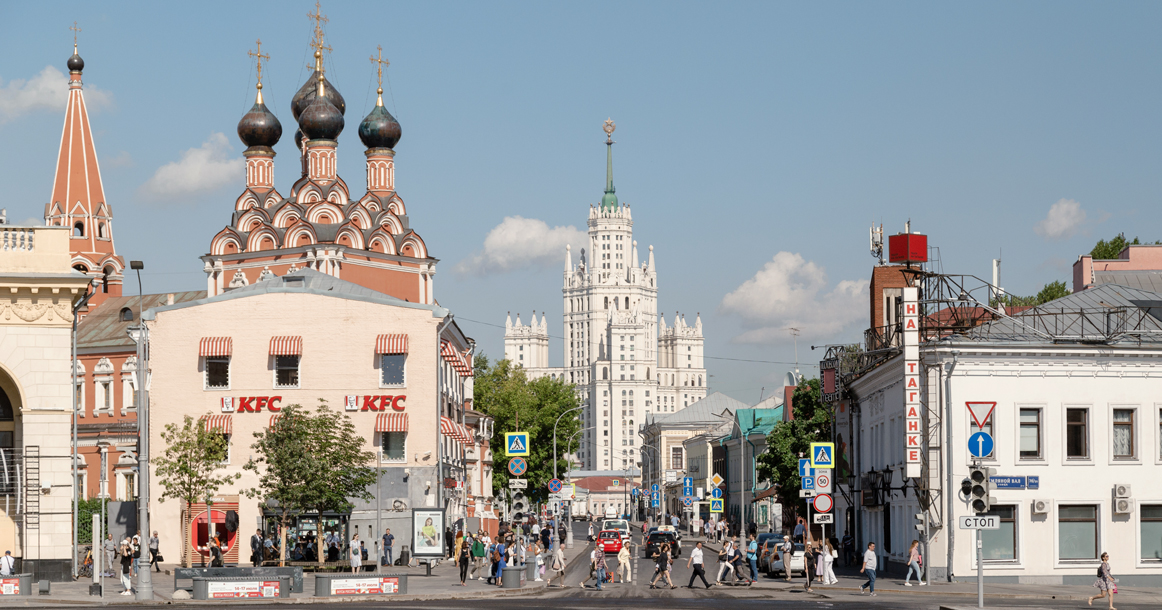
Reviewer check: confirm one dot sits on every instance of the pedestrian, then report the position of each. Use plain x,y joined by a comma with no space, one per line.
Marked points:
256,548
542,558
590,532
869,568
546,536
1105,582
154,554
818,560
674,521
356,554
708,529
829,556
500,557
695,562
800,528
914,560
7,564
215,553
752,556
126,566
269,550
752,528
558,567
623,564
720,531
448,540
737,560
808,565
388,542
788,551
593,566
663,567
602,568
478,551
723,562
462,558
136,552
110,549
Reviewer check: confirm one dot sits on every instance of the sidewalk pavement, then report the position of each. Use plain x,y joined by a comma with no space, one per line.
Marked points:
443,584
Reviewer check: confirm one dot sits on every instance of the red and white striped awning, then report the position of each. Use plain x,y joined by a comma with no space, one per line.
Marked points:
391,344
391,422
273,420
454,430
286,346
458,361
222,424
215,346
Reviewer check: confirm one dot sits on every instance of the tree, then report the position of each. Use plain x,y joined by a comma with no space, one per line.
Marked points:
1106,250
1051,291
188,471
310,463
791,440
504,393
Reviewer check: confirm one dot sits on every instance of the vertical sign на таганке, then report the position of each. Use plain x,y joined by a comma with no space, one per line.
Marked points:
912,406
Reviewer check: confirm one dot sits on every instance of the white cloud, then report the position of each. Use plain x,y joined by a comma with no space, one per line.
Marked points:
121,159
522,242
1062,221
206,168
791,292
48,90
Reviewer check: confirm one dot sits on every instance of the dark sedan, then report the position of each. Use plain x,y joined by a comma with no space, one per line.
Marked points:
654,543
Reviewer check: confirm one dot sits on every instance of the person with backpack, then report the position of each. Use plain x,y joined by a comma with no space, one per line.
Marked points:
1105,582
499,552
558,567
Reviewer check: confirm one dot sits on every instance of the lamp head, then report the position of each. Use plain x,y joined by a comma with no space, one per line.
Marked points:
136,265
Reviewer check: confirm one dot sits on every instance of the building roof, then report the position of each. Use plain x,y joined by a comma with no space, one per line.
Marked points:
597,484
1104,314
756,421
709,410
306,281
1142,280
103,330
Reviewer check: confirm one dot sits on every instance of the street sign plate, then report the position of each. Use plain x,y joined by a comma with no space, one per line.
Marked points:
516,443
805,467
517,466
687,481
616,483
654,487
823,518
518,483
981,412
806,493
555,485
688,501
716,506
1008,482
980,444
981,522
1033,482
822,455
822,503
716,493
656,503
808,483
688,491
823,481
717,479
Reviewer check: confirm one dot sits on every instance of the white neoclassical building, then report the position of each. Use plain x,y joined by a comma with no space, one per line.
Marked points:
625,359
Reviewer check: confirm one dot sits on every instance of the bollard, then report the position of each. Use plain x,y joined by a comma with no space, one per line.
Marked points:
511,578
531,566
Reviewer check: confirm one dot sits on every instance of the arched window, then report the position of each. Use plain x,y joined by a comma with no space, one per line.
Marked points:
607,302
6,412
627,302
101,230
631,392
79,229
126,314
604,373
105,279
699,381
81,268
623,392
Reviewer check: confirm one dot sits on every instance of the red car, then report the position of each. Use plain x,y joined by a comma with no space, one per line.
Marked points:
609,541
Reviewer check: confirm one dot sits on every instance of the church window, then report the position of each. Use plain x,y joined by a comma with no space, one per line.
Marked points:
79,229
101,230
647,379
631,347
105,280
217,370
126,314
699,381
391,369
286,371
631,391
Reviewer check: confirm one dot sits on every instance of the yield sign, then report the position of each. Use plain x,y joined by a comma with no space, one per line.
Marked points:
981,412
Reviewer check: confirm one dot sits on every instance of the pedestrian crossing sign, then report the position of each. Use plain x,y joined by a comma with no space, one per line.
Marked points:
822,455
516,443
716,506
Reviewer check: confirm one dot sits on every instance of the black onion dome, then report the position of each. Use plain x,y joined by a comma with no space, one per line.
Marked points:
307,93
259,127
321,120
379,129
75,63
299,139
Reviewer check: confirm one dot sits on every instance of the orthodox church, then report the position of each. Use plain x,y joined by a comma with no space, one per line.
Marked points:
624,358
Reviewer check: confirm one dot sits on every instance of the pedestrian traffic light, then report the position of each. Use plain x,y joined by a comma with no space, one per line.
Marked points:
979,497
518,502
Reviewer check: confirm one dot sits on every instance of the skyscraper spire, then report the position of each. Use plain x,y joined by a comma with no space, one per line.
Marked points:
609,200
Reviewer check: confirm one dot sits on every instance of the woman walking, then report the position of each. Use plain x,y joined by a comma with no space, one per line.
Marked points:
829,557
126,566
356,553
663,569
914,560
1105,582
557,566
462,558
809,565
724,557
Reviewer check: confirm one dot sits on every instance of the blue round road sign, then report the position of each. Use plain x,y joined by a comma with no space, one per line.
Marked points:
716,493
980,444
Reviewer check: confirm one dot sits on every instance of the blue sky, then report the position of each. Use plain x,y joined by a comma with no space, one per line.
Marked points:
756,141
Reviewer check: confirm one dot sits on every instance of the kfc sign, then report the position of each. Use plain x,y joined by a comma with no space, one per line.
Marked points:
375,403
252,404
255,404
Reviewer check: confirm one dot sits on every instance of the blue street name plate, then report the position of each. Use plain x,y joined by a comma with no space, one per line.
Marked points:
1008,482
1034,482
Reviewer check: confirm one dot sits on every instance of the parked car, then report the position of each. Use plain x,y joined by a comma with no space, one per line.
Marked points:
655,541
609,541
797,564
768,544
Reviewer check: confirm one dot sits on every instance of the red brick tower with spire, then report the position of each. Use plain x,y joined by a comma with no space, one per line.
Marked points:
78,196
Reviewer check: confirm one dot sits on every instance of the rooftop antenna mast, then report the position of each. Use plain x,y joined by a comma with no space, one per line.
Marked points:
877,242
795,336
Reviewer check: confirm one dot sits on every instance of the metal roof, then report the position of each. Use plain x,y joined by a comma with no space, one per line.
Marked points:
705,411
103,329
1142,280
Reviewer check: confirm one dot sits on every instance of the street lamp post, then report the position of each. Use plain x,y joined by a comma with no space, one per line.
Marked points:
569,517
578,408
144,579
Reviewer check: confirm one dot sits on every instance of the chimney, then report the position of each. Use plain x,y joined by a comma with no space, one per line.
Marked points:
169,299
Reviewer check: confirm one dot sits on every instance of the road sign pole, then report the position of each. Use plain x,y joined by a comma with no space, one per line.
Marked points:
979,568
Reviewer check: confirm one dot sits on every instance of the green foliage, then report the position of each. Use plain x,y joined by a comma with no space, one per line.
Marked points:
1106,250
792,440
85,511
1049,292
503,392
310,463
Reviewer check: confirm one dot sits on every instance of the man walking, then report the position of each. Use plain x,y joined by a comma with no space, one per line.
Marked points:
788,551
478,549
799,530
110,549
388,541
869,568
695,562
256,548
154,545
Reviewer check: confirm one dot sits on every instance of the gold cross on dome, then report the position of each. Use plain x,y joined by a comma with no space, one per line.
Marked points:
75,30
258,57
319,18
382,63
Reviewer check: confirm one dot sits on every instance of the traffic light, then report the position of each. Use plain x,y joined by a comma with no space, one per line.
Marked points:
978,495
518,502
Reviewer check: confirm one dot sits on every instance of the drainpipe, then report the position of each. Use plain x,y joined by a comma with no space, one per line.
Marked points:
949,492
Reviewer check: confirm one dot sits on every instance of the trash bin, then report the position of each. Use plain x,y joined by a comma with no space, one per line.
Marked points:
17,584
531,567
511,577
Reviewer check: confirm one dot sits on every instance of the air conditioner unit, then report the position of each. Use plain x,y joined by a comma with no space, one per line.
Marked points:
1042,507
1123,506
1121,490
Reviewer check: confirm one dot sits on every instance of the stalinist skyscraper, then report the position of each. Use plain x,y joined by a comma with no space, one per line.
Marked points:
624,358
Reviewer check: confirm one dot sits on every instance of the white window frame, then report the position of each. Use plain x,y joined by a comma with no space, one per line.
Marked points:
1156,426
229,374
274,373
1043,460
1089,437
383,454
402,384
1135,434
1018,533
1073,563
1137,521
